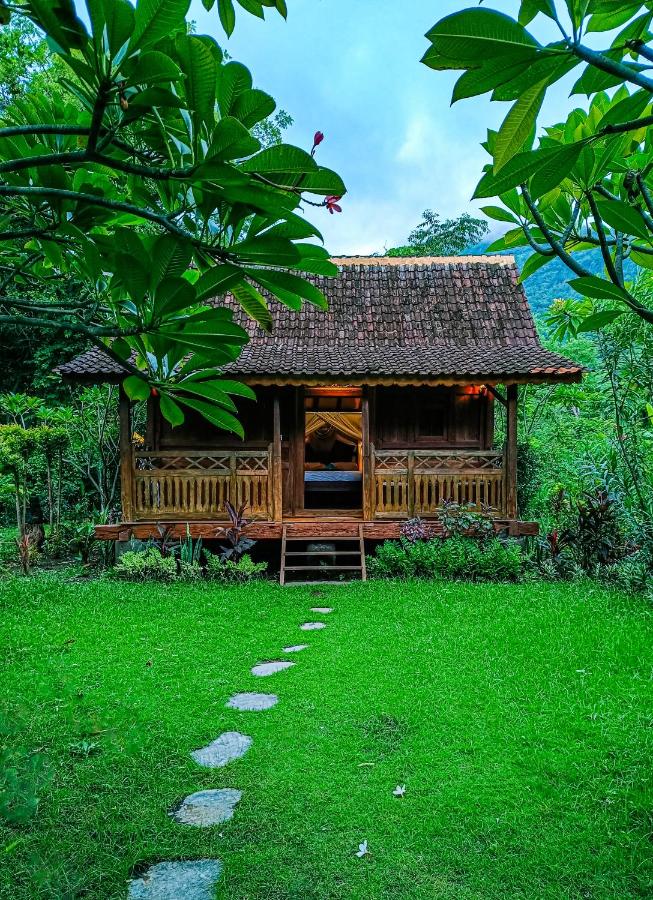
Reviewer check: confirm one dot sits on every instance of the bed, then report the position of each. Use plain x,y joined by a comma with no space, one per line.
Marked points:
331,479
344,486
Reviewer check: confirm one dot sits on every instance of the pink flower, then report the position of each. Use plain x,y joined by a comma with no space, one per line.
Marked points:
331,204
318,137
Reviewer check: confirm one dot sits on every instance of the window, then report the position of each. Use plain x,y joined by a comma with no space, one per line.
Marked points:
431,418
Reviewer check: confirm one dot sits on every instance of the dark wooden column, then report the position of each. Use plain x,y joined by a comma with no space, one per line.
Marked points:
368,504
277,469
126,458
511,452
297,451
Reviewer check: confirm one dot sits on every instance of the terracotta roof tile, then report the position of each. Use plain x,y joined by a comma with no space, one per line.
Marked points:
391,316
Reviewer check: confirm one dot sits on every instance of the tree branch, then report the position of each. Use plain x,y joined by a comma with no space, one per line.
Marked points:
612,67
91,331
621,127
605,251
538,248
555,244
7,190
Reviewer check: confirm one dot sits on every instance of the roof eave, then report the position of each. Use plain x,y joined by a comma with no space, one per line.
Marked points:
570,376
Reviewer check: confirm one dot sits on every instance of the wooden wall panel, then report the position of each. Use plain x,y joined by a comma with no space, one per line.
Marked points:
431,418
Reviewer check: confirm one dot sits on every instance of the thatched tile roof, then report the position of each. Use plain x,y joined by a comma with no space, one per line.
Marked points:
390,318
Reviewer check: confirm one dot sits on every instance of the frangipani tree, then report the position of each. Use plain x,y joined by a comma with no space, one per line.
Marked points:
142,180
585,182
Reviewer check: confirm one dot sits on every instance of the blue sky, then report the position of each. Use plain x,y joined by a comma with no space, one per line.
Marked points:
351,69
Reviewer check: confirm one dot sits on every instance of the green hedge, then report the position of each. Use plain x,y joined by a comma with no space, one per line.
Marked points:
452,558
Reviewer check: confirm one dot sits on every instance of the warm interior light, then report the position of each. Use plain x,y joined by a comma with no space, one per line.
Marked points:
335,391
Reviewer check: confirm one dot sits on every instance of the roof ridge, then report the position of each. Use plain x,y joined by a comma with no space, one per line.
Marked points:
503,260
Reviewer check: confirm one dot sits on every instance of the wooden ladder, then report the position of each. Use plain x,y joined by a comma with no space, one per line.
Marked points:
291,560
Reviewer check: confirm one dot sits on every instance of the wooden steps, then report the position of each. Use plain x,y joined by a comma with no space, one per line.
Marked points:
326,561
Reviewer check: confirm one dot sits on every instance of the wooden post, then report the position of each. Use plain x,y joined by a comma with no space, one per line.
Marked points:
297,450
126,458
277,469
233,481
368,501
411,484
511,453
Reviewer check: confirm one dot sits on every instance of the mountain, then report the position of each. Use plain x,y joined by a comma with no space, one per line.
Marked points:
550,282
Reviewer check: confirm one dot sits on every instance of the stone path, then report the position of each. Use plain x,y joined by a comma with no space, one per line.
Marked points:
206,808
196,879
252,701
271,668
230,745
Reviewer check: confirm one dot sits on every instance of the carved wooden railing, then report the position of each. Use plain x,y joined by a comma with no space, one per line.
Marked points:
196,485
418,482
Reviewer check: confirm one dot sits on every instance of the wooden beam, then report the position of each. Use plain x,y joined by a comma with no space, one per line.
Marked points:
276,465
368,502
297,450
511,453
126,457
411,484
495,393
319,528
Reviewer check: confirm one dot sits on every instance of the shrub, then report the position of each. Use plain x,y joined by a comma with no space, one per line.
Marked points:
236,572
59,541
189,571
457,557
146,565
464,519
633,573
416,529
598,536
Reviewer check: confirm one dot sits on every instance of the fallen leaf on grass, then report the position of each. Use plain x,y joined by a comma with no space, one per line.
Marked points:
362,850
400,790
84,749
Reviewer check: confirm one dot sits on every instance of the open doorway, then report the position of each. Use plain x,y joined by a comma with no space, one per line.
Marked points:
333,453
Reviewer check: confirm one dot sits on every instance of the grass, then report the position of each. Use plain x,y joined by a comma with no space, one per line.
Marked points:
520,719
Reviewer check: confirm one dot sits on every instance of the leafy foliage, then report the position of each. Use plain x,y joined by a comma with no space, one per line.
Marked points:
550,282
460,519
456,557
145,565
158,199
435,238
589,457
586,183
237,541
231,571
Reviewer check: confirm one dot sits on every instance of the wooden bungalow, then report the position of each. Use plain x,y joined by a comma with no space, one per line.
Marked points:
378,410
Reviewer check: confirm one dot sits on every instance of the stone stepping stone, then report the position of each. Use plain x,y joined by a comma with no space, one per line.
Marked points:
192,880
295,648
312,626
322,609
206,808
230,745
271,668
252,701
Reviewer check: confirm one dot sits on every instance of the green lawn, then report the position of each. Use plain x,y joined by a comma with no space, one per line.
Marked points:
520,719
